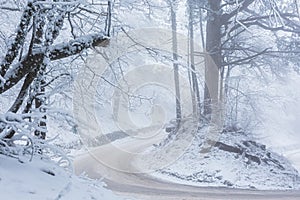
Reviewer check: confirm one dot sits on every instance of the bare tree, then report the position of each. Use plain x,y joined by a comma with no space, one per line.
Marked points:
230,21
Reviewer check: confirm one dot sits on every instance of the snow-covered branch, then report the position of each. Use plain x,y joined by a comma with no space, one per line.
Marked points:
59,51
19,39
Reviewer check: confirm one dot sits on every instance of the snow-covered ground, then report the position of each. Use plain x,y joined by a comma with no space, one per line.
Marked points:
43,179
39,177
235,161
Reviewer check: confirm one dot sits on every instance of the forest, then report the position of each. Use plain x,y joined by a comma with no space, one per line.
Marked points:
195,92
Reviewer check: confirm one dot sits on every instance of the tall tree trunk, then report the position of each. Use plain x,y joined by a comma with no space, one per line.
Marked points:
214,58
39,90
175,62
195,87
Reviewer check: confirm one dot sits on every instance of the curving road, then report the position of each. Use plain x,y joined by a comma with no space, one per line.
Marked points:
100,161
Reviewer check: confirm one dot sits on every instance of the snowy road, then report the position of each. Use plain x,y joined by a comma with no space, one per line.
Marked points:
99,163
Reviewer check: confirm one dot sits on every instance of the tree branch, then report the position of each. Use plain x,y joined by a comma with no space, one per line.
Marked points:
9,8
245,59
13,50
23,92
56,52
244,5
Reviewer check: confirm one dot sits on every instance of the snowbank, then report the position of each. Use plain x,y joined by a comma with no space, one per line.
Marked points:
43,179
235,161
